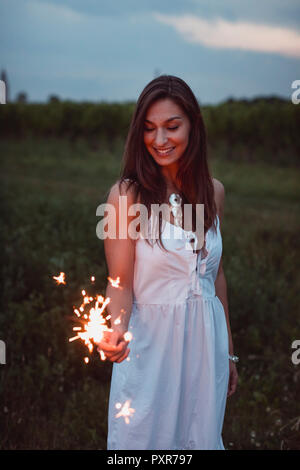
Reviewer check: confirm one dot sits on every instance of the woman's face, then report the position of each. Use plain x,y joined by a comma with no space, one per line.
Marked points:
166,132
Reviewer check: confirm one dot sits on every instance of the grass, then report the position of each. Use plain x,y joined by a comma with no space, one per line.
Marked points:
50,190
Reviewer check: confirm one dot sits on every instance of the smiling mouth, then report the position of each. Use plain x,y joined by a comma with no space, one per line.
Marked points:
166,151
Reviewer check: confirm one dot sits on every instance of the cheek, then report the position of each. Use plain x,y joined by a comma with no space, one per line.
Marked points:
183,139
147,139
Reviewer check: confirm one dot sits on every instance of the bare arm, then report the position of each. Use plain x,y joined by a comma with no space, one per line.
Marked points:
120,262
221,290
220,282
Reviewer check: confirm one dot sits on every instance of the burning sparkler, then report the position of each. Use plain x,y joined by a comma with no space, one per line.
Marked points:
93,327
94,324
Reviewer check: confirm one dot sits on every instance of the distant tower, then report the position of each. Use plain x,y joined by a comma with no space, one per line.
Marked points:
3,77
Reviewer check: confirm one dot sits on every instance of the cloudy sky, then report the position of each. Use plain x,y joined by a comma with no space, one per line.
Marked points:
110,49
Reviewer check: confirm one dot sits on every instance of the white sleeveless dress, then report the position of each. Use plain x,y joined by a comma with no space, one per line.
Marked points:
171,394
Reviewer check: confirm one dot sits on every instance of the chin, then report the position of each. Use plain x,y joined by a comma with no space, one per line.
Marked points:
165,161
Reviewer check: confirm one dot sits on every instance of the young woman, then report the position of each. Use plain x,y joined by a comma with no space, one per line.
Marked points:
169,388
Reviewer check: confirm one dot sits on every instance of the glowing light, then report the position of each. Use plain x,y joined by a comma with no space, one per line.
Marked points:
60,279
102,355
115,282
93,320
73,339
125,411
128,336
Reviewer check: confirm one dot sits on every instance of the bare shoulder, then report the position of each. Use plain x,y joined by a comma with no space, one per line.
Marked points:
121,189
219,197
218,187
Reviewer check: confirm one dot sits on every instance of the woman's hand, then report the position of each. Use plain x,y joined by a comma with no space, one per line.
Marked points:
233,379
114,346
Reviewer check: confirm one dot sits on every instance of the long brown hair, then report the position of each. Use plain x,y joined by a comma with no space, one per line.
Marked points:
193,173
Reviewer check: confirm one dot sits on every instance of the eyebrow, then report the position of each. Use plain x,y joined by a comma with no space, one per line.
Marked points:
167,120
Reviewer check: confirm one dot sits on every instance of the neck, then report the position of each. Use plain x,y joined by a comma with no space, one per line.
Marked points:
170,176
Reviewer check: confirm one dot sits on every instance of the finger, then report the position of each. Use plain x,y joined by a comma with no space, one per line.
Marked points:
116,351
119,357
121,347
231,389
108,355
234,386
106,347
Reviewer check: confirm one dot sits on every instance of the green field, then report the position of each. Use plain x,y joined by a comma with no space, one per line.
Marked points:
51,399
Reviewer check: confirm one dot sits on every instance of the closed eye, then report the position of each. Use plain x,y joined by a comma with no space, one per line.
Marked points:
147,129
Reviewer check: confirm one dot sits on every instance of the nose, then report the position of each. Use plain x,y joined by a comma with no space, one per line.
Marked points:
160,137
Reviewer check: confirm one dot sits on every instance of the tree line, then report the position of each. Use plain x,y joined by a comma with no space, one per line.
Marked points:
264,129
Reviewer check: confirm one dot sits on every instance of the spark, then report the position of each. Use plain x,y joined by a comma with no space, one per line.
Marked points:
115,282
60,279
73,339
102,355
128,336
125,411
